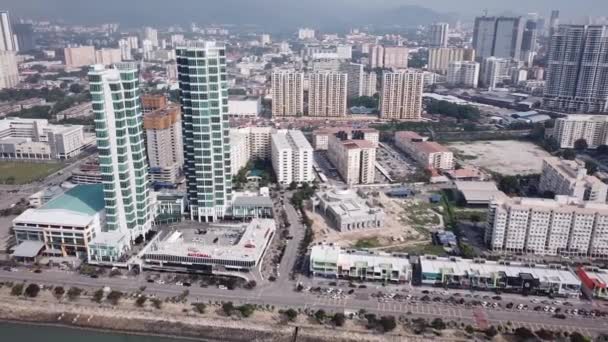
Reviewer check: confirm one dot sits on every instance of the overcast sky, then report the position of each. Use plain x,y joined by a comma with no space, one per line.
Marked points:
163,11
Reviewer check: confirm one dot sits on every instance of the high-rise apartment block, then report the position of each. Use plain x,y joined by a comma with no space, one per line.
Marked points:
306,33
287,93
440,58
201,68
108,56
239,150
439,34
164,143
498,37
9,72
463,74
249,143
7,39
292,157
395,57
569,177
125,50
122,154
495,71
327,94
563,226
401,96
369,84
77,57
353,158
151,35
577,70
591,128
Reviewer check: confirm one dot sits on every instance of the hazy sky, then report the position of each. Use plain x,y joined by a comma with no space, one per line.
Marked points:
166,11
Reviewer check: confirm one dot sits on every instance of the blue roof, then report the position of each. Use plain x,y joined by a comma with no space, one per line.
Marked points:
86,199
255,173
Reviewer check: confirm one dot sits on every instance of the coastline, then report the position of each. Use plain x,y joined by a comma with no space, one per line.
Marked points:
173,323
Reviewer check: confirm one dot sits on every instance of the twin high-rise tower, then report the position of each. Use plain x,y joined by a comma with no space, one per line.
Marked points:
201,69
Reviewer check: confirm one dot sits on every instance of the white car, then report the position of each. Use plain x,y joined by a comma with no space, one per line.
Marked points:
222,287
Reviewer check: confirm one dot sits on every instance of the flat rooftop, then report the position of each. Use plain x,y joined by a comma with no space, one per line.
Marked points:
346,258
486,268
240,242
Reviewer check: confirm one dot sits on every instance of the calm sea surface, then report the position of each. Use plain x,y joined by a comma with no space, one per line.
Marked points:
10,332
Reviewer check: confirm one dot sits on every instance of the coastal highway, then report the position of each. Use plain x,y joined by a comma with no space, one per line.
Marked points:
285,297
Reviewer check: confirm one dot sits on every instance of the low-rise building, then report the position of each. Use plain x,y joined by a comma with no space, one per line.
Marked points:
292,157
320,137
346,210
37,139
504,276
354,159
44,196
569,177
332,261
563,226
66,224
429,154
244,106
477,193
594,281
237,247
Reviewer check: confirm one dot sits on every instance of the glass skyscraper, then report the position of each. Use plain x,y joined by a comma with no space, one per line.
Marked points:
122,156
201,68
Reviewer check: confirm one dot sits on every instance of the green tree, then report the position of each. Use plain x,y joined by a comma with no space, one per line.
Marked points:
74,293
387,323
141,300
97,296
591,167
569,154
577,337
246,310
114,297
491,331
580,144
469,329
338,319
228,308
58,292
291,314
320,315
199,307
32,290
438,324
76,88
17,290
524,333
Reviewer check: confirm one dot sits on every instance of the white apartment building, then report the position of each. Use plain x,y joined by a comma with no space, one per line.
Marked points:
292,157
494,71
306,33
464,74
441,57
287,93
354,159
125,50
396,57
244,106
563,226
164,144
37,139
429,154
569,177
9,73
401,95
369,84
320,137
592,128
327,92
240,151
258,141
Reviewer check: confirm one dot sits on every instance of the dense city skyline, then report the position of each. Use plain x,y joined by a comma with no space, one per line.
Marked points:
335,13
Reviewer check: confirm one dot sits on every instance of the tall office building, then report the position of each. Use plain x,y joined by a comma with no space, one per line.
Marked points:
577,70
528,43
24,36
440,58
401,95
7,39
122,154
9,73
461,73
494,71
287,93
327,94
201,68
439,34
498,37
151,35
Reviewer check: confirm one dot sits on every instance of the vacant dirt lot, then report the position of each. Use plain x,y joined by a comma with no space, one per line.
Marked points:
508,157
